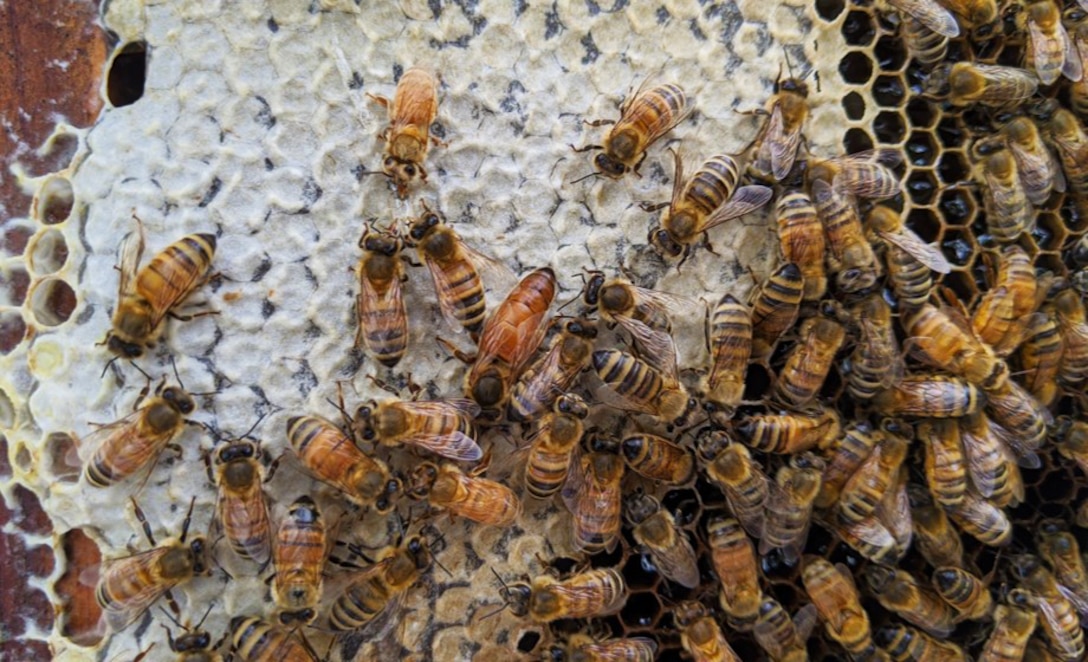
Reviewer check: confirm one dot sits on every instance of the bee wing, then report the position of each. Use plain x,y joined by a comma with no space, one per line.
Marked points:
678,562
656,347
547,380
867,174
455,445
780,145
132,251
766,635
925,253
1072,67
588,593
121,614
972,449
930,14
663,123
393,301
89,445
1079,603
1041,52
677,178
745,200
602,499
1025,457
1062,645
576,480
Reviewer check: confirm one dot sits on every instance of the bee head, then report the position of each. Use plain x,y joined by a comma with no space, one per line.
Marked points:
402,173
572,405
124,349
517,598
424,224
364,423
663,241
178,399
385,503
238,450
593,289
609,167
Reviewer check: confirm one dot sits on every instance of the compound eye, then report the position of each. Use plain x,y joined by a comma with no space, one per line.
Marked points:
389,161
410,170
432,220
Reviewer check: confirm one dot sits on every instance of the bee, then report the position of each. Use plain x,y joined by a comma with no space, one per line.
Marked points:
789,506
554,372
658,458
644,117
876,363
1068,311
443,427
643,388
1039,170
741,479
992,473
1040,358
876,475
408,136
899,592
966,593
655,529
982,520
583,648
790,433
594,498
1052,52
1015,410
254,640
868,537
1009,212
930,14
945,463
801,237
147,296
780,138
1060,550
1013,626
708,199
905,643
942,338
700,634
379,588
379,306
241,507
478,499
1069,139
597,592
734,561
136,441
990,85
1057,610
331,457
621,302
510,337
831,589
775,307
926,46
781,636
910,259
729,335
974,13
844,455
299,560
550,454
1000,316
809,362
195,645
863,174
129,585
929,396
938,541
850,255
1071,440
1077,29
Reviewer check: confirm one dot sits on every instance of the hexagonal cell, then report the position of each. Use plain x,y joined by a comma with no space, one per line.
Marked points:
963,285
639,573
921,148
888,91
921,186
957,205
925,224
15,238
858,28
48,252
52,302
889,127
953,167
922,113
1051,262
856,68
854,105
1075,214
641,610
950,132
127,74
890,53
1049,232
12,331
24,460
55,200
959,246
13,286
829,10
60,451
857,140
80,614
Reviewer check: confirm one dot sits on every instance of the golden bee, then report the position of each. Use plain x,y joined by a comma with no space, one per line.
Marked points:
945,463
552,448
584,648
128,586
801,237
1076,24
621,302
510,337
789,506
864,174
147,296
992,469
930,14
645,117
1059,548
831,589
656,531
461,495
408,136
973,13
850,255
729,337
1016,411
781,636
734,560
1052,53
442,427
809,362
905,643
910,259
554,372
731,467
1057,609
658,458
876,363
254,640
643,388
1068,311
379,588
195,645
779,139
790,433
927,47
1040,357
1071,440
893,511
868,537
1070,140
595,500
700,634
774,308
942,338
1009,212
1038,167
331,457
875,476
1001,315
989,84
136,441
965,592
901,593
708,199
1013,626
298,556
241,508
982,520
929,396
590,594
844,454
379,306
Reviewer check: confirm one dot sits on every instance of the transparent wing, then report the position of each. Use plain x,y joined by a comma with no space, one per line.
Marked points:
677,178
930,14
454,444
678,562
121,613
925,253
656,347
132,251
745,200
781,144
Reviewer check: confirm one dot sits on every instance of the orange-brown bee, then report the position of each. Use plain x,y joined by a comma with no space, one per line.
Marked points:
443,427
1009,212
1071,440
510,337
379,306
1038,167
1040,357
781,636
843,455
552,448
1070,140
864,174
809,362
554,372
478,499
729,336
982,520
779,139
1001,316
655,529
905,643
989,84
734,561
1052,52
594,498
831,589
901,593
928,47
658,458
254,640
993,471
379,588
1062,552
597,592
1076,25
789,506
945,464
790,433
1013,626
929,396
876,363
909,258
641,312
775,307
408,136
147,296
642,387
875,476
801,236
1021,415
850,255
731,467
332,457
973,13
966,593
299,560
700,634
868,537
1057,609
241,508
942,338
938,541
645,116
195,645
1068,310
129,585
584,648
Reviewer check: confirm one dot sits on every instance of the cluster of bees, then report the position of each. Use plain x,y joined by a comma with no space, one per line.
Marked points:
968,390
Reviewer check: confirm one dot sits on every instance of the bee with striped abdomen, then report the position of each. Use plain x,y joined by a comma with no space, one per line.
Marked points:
585,648
553,445
379,588
779,139
1040,357
443,427
658,458
1001,316
700,634
1068,310
789,506
989,85
990,464
863,491
731,467
254,640
241,508
1009,212
982,520
1038,167
943,338
905,644
655,529
1059,548
590,594
910,259
774,308
926,46
850,255
594,498
1013,626
408,136
1052,52
899,592
831,589
464,495
945,464
734,560
809,362
843,455
781,636
1019,414
865,174
729,341
790,433
379,306
1057,609
929,396
876,363
801,237
299,561
937,540
644,388
554,372
965,592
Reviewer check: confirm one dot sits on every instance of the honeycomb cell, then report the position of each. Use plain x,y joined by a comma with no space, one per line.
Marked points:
24,461
639,573
921,148
641,610
1051,262
854,105
921,186
957,206
856,68
60,451
953,167
950,132
858,29
829,10
857,140
127,74
55,201
12,331
921,113
48,252
889,127
959,246
13,286
963,285
925,224
52,302
80,612
888,91
528,641
890,53
16,238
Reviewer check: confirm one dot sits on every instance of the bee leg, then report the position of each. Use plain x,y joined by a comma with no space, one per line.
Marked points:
273,467
143,521
639,165
709,246
176,448
462,356
646,205
382,385
189,318
598,122
585,148
378,99
439,143
205,455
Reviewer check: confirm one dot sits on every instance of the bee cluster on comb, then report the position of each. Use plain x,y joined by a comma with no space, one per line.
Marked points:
826,401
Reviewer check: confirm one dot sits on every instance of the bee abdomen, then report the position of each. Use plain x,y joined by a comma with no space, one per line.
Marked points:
713,184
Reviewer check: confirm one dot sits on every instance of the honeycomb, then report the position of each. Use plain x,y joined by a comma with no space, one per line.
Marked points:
252,122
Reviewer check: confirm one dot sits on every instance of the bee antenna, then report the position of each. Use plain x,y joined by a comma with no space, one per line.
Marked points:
174,365
375,172
172,618
107,366
253,427
439,564
138,368
572,300
499,577
584,177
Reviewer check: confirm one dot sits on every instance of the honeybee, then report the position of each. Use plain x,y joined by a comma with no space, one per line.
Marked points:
982,520
643,388
1077,29
905,643
708,199
1040,358
775,307
734,561
1009,212
254,640
658,458
195,645
1062,552
868,537
594,498
789,506
1071,440
875,475
443,427
1071,141
147,296
469,496
992,473
778,140
929,396
844,455
809,362
241,508
645,116
989,85
550,454
899,592
1068,311
781,636
597,592
741,479
930,14
831,589
1013,626
127,586
1052,52
1057,609
621,302
136,441
974,13
850,255
876,363
583,648
864,175
729,336
966,593
1000,316
511,335
408,136
938,541
942,338
801,237
909,258
927,47
299,560
655,529
333,458
378,589
554,372
790,433
700,634
379,306
945,463
1038,168
1015,410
